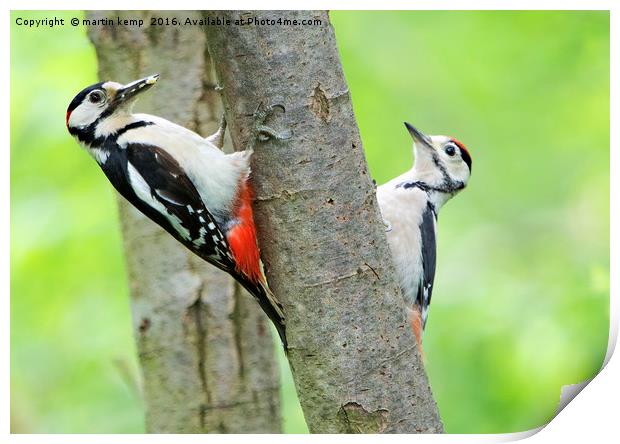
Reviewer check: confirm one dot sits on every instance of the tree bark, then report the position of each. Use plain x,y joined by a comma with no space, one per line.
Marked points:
205,349
354,359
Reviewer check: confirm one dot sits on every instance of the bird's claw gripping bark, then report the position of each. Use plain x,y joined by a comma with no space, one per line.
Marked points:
264,132
217,138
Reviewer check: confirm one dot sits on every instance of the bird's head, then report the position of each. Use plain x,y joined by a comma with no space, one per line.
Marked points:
441,162
101,101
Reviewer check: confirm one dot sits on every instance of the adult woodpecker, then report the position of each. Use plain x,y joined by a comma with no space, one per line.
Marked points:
180,180
409,205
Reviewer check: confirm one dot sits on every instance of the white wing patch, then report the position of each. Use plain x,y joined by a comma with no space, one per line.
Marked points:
195,155
167,197
143,191
426,304
201,240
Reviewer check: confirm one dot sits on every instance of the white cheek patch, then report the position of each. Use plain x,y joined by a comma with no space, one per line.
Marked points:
84,115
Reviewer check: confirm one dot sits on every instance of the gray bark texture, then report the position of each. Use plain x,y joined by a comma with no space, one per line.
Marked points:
205,348
354,359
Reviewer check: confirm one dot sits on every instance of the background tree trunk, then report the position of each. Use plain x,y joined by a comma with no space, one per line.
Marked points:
353,356
205,349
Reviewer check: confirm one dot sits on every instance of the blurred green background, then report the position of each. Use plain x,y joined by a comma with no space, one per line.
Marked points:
521,303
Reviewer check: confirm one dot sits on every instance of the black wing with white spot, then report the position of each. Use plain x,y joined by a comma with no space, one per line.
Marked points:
429,261
154,174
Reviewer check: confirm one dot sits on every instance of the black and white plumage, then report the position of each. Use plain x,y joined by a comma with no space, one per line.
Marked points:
180,180
409,205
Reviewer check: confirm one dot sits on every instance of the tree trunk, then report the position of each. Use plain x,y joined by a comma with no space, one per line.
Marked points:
205,349
354,359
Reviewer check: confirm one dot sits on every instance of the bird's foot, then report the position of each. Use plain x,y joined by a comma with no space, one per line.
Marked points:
264,132
217,138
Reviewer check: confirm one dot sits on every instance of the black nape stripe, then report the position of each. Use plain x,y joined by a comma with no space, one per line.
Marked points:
87,135
421,185
131,126
466,158
448,187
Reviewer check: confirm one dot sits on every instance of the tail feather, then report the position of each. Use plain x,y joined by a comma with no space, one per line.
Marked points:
244,248
268,303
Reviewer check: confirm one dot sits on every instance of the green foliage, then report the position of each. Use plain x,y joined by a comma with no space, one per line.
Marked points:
521,305
521,301
73,363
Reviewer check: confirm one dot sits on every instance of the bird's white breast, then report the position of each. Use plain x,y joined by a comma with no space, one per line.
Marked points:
402,211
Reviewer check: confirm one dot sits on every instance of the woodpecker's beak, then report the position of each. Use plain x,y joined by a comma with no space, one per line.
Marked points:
418,136
134,88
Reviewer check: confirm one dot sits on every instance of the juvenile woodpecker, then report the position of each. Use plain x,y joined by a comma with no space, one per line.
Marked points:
409,205
180,180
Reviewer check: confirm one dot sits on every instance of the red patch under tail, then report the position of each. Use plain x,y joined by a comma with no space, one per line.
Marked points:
242,237
415,319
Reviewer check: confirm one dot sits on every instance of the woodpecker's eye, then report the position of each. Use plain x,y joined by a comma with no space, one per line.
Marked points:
96,96
450,149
